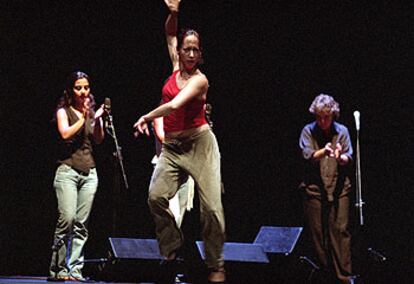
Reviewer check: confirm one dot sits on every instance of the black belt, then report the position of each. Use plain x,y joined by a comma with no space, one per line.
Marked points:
82,173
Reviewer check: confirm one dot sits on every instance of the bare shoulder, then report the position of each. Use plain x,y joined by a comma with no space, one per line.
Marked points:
201,79
61,112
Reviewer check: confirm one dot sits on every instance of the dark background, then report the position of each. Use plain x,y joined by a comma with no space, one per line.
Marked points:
265,60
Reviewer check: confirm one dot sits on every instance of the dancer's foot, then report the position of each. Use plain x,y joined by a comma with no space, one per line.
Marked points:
217,275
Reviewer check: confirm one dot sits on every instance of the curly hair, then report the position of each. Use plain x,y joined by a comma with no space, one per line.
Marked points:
325,102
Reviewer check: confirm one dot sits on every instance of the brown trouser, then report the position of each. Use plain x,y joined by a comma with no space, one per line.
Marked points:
199,157
328,224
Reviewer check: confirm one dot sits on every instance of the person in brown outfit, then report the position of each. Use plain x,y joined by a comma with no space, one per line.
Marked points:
327,153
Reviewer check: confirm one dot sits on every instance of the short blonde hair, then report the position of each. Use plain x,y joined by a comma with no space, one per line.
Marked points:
325,102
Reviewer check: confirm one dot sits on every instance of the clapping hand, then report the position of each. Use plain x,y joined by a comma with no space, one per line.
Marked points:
338,151
329,151
100,112
86,107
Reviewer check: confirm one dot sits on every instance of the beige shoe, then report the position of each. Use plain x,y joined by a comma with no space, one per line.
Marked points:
217,275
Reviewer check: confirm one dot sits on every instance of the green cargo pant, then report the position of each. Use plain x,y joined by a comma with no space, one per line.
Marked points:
199,157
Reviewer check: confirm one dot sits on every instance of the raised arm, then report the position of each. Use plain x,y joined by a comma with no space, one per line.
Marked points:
171,25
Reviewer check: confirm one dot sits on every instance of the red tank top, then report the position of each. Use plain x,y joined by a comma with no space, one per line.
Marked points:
191,115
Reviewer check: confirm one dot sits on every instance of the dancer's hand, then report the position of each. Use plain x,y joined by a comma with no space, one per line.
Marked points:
142,126
173,5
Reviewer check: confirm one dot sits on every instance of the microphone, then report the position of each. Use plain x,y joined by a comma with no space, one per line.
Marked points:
107,109
356,116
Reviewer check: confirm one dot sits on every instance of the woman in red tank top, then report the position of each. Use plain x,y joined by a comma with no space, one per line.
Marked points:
189,149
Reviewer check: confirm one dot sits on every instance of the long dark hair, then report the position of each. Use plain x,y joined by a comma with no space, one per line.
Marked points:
67,99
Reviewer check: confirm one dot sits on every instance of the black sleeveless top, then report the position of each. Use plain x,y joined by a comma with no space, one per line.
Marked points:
77,151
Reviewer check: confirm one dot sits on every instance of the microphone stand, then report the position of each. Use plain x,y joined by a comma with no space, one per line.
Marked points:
374,254
359,203
111,131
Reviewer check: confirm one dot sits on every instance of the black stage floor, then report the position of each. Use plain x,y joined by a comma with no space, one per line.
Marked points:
285,270
37,279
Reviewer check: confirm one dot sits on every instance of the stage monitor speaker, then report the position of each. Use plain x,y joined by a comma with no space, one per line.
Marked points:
126,248
132,261
240,252
278,239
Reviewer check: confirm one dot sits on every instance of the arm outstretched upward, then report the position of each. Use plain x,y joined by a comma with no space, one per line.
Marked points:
196,86
171,25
